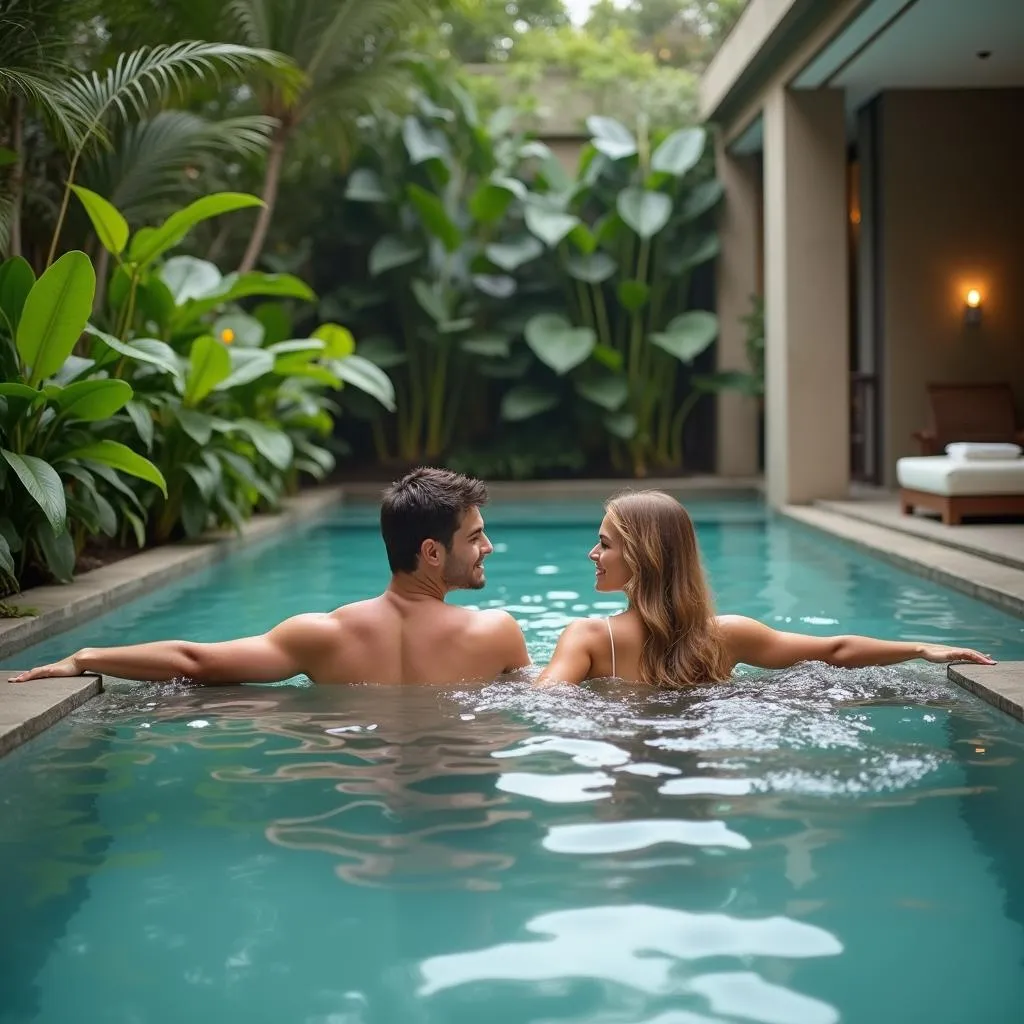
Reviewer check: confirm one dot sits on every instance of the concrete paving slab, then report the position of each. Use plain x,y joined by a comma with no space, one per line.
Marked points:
26,709
1001,685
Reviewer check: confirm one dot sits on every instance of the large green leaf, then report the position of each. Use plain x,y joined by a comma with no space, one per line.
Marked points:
311,347
91,400
58,553
364,186
430,300
55,314
189,277
620,424
368,377
498,286
149,243
247,365
121,458
558,344
16,280
491,346
142,419
197,425
143,350
273,444
679,152
489,203
110,227
511,256
432,213
633,295
644,211
703,198
695,250
239,329
338,340
390,252
15,389
611,137
208,364
43,483
550,226
423,144
608,392
592,269
240,286
525,401
687,335
6,559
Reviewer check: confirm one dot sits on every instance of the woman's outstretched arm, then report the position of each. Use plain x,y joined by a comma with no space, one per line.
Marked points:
753,643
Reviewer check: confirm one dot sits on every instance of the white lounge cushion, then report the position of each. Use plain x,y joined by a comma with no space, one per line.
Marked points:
973,451
938,474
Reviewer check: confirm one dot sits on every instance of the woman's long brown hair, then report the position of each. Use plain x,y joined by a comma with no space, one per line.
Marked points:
669,592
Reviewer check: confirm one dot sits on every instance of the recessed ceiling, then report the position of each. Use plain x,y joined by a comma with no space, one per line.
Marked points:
924,44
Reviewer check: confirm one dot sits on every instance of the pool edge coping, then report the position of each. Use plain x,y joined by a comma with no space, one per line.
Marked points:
995,583
40,705
64,606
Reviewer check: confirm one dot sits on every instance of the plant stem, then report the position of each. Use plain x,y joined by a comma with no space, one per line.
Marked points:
271,181
64,202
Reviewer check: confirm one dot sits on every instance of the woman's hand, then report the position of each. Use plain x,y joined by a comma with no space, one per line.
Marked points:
941,654
67,667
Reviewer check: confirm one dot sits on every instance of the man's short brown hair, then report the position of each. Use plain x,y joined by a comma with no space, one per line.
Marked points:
426,504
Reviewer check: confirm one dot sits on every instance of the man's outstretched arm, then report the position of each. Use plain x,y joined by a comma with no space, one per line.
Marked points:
280,653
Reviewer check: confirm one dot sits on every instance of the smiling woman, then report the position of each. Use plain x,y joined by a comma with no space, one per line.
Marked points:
670,636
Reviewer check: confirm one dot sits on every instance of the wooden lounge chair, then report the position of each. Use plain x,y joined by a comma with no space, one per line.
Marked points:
969,412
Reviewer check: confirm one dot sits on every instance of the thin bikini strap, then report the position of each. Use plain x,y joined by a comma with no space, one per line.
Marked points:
611,638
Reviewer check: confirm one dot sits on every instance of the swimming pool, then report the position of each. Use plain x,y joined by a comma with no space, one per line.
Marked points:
808,846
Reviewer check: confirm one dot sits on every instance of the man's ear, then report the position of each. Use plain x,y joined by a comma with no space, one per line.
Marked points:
431,553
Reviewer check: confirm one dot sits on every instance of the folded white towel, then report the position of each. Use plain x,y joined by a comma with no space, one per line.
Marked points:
971,451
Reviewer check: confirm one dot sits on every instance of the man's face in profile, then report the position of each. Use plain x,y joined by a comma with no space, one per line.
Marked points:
464,563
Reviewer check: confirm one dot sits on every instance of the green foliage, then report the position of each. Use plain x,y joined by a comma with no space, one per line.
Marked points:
171,412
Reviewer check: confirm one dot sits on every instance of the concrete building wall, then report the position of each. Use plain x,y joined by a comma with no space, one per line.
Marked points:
951,177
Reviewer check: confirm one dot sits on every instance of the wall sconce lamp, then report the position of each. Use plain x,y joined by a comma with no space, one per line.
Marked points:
972,308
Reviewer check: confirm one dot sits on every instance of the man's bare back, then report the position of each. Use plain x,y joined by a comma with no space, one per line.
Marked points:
398,639
434,534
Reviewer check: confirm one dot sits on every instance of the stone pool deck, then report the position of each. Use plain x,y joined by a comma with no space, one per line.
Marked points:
26,709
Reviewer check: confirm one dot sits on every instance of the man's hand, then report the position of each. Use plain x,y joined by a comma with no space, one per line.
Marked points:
67,667
941,654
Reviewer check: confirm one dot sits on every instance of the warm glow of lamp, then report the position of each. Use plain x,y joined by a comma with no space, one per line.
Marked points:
972,307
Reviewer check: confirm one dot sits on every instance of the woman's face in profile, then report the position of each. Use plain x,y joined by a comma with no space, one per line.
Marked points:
610,567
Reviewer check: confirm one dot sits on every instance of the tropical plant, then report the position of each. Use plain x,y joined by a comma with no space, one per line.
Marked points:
442,189
351,55
626,235
61,470
227,411
83,108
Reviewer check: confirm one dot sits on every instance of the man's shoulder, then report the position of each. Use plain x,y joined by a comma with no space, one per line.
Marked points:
490,620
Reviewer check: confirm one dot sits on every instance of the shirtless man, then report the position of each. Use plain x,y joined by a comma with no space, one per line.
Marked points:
434,536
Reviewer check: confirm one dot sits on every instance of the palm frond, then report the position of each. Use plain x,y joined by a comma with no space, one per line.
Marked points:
347,37
255,22
146,168
47,97
149,75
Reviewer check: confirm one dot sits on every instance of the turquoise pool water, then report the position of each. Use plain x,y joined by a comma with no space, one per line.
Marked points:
808,846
